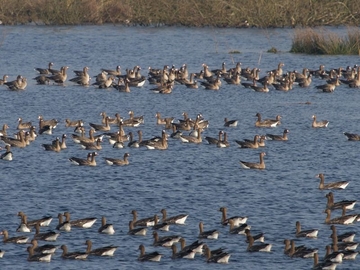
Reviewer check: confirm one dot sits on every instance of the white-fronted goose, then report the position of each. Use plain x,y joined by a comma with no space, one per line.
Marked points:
56,147
32,134
262,89
221,257
323,265
333,185
45,70
23,227
349,204
301,251
178,219
19,142
336,256
257,237
160,144
196,246
92,146
238,220
122,85
344,237
23,125
133,143
82,138
266,122
44,249
116,72
305,233
118,162
251,165
82,223
103,251
63,142
4,79
343,245
264,247
249,144
63,226
73,255
212,85
329,87
16,239
8,155
153,256
344,219
282,137
165,241
136,231
212,140
60,77
230,123
51,122
319,124
119,143
45,129
19,84
352,136
212,234
89,161
3,131
106,228
144,222
45,221
192,139
224,142
105,127
238,229
47,236
160,226
37,257
74,123
185,254
41,79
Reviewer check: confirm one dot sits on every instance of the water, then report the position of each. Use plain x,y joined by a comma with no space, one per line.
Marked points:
192,179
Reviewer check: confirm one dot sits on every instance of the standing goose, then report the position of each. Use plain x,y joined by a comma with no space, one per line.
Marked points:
264,247
45,221
178,219
60,77
186,254
334,185
238,220
319,124
63,226
103,251
144,222
251,165
212,234
153,256
106,228
8,155
349,204
90,161
136,231
305,233
44,249
82,223
47,236
344,237
119,162
165,241
73,255
282,137
15,239
37,257
221,257
344,219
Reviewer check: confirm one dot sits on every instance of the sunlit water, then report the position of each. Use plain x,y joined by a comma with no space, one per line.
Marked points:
192,179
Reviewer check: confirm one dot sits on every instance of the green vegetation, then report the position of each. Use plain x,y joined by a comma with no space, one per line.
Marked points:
219,13
312,41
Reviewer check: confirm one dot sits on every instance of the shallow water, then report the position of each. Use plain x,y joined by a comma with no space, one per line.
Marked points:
192,179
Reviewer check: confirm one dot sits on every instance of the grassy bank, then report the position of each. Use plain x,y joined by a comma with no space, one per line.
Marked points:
220,13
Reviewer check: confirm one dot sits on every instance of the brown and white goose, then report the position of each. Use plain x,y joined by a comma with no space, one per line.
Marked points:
90,161
23,227
212,140
82,77
92,146
212,234
136,231
74,123
3,131
106,228
267,122
45,221
153,256
15,239
300,251
8,155
46,236
60,77
262,247
352,136
73,255
312,233
23,125
105,127
165,241
185,254
160,144
63,225
56,147
37,257
103,251
118,162
144,222
349,204
323,265
20,141
344,237
333,185
82,223
251,165
319,124
344,219
282,137
230,123
192,139
238,220
43,249
178,219
218,257
238,229
114,72
45,70
249,144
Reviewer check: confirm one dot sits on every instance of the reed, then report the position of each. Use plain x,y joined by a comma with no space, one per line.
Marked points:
311,41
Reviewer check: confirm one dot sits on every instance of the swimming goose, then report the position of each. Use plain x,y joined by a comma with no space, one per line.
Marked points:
178,219
41,79
48,236
134,120
249,144
238,229
282,137
301,251
287,248
159,120
81,72
262,247
19,142
221,257
144,222
45,70
92,146
103,251
60,77
251,165
267,122
37,257
262,89
323,265
230,123
106,228
192,139
119,162
349,204
3,131
153,256
334,185
343,245
74,123
82,223
116,72
191,83
344,237
73,255
44,249
212,234
336,256
235,79
4,79
122,85
23,227
214,251
196,246
160,226
63,142
319,124
89,161
165,241
19,84
134,143
349,254
305,233
45,221
136,231
238,220
329,87
186,254
352,136
105,127
15,239
161,144
23,125
223,143
257,238
81,138
51,122
262,141
212,140
45,129
63,226
56,147
8,155
344,219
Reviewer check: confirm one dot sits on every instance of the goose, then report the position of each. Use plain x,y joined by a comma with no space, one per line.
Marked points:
305,233
344,219
51,122
223,143
238,220
262,89
352,136
328,87
55,147
134,143
212,234
106,228
116,72
37,257
196,246
165,241
160,226
48,236
90,161
45,221
20,141
19,84
103,251
92,146
60,77
212,140
344,237
105,127
191,83
153,256
267,122
349,204
73,255
4,79
23,227
82,77
262,141
81,138
319,124
262,247
238,229
3,130
323,265
186,254
192,139
63,142
214,251
32,134
82,223
15,239
45,129
251,165
122,85
230,123
45,70
63,226
348,254
178,219
336,256
249,144
119,162
257,238
158,144
301,251
334,185
144,222
136,231
282,137
118,142
41,80
235,79
343,245
159,120
221,257
23,125
44,249
8,155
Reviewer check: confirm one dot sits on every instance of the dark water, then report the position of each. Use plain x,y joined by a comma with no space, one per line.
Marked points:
193,179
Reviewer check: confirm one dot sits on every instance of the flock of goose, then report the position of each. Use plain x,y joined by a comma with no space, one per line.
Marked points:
186,130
